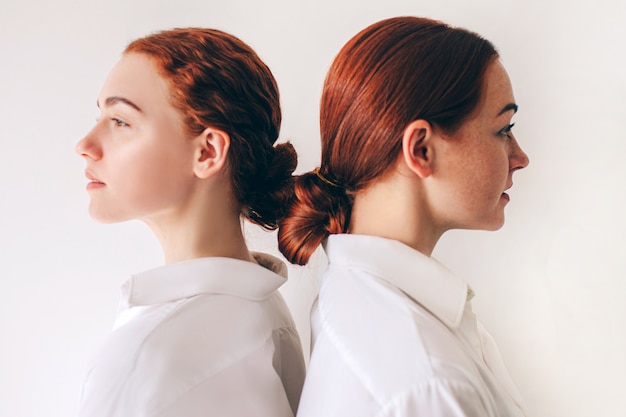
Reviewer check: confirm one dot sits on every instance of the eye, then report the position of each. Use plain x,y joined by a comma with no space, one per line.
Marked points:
507,131
119,122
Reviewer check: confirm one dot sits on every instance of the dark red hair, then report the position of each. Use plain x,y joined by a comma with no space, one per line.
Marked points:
217,80
391,73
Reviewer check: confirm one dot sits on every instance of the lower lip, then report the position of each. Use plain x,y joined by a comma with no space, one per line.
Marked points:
94,185
506,196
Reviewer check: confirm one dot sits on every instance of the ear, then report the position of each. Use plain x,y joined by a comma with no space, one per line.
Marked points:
211,152
417,147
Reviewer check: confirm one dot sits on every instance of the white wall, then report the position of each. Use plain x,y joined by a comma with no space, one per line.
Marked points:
550,285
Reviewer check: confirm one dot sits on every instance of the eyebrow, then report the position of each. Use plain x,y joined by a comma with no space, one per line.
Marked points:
508,107
109,101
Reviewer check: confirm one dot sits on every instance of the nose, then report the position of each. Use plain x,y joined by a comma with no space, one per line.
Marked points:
518,158
88,147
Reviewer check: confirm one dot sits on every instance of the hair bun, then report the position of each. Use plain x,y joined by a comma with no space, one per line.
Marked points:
274,189
283,162
317,209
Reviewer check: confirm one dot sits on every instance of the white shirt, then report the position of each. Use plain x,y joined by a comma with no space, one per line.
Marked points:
394,335
204,337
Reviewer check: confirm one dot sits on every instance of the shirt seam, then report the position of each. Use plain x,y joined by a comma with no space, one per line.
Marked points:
419,388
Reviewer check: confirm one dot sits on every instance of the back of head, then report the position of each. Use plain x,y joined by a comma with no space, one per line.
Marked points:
391,73
217,80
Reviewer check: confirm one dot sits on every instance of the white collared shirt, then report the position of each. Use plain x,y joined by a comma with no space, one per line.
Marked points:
204,337
394,335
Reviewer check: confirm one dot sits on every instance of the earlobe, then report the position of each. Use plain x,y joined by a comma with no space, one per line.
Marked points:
417,148
211,152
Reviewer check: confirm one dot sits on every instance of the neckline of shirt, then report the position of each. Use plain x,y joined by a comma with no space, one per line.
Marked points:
423,278
211,275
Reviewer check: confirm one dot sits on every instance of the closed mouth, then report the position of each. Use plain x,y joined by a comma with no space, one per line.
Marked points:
92,178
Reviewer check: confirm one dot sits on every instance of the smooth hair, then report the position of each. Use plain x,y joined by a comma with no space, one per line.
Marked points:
217,80
391,73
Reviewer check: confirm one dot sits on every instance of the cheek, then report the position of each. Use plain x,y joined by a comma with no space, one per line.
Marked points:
494,175
160,174
153,176
484,179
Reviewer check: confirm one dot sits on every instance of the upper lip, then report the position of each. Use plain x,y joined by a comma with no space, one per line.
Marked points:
91,177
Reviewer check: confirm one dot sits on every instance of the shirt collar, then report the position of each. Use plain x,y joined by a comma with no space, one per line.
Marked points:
214,275
422,278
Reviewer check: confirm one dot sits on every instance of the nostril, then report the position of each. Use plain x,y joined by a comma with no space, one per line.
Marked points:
87,148
525,160
90,145
520,158
80,148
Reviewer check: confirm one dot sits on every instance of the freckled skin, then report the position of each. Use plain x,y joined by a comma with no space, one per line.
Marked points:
144,158
478,161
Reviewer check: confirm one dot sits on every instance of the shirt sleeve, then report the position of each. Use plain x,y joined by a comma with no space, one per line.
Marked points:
438,398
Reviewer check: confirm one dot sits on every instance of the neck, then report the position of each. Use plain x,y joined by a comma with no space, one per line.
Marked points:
394,207
203,228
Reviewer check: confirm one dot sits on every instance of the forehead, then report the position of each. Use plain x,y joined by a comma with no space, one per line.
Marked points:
497,92
135,77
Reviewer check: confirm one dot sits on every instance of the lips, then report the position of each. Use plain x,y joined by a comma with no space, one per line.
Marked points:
505,195
91,177
94,182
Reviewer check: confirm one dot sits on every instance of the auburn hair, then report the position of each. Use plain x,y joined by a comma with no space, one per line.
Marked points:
391,73
217,80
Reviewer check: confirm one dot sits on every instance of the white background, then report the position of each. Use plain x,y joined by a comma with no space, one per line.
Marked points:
550,286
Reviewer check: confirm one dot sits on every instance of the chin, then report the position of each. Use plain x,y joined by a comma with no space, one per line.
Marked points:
494,227
495,224
490,224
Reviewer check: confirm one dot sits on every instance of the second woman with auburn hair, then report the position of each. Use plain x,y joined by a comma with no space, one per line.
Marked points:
185,143
416,140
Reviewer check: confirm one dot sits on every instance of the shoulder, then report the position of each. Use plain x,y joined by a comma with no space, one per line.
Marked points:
220,348
164,355
381,336
213,326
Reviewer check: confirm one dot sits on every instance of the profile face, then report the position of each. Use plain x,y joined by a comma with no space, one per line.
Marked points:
479,159
139,156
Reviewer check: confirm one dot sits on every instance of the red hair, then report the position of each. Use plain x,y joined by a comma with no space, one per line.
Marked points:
217,80
391,73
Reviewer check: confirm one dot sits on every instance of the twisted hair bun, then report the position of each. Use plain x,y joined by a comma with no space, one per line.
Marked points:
318,208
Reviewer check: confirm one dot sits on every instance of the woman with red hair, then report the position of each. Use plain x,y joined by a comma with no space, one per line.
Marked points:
185,143
416,140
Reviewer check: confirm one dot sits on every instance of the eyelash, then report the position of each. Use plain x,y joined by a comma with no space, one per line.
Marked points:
119,122
507,131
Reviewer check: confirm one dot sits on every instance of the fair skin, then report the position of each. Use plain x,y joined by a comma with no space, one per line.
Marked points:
143,164
447,181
